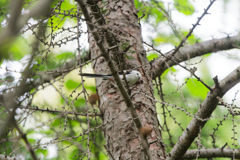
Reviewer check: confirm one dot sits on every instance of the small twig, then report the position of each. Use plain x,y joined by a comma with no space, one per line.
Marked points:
110,154
57,111
24,137
215,79
194,26
236,46
224,146
225,104
189,70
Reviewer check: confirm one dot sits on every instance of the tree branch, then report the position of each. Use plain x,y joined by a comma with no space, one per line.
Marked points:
3,157
203,114
46,77
24,137
195,50
61,112
194,26
211,153
17,21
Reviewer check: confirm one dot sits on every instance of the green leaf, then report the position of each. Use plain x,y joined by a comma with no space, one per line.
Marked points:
151,12
197,88
48,63
184,6
1,81
56,123
70,84
90,87
192,39
65,56
3,3
138,4
19,49
66,5
166,72
157,15
79,102
53,60
1,61
3,11
33,90
32,141
163,38
43,151
56,22
151,56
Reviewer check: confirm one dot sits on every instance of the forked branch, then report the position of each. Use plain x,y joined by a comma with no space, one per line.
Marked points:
203,114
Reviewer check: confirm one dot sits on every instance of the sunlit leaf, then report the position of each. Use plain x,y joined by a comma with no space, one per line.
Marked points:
19,49
65,56
192,39
42,151
163,38
197,88
151,56
184,6
70,84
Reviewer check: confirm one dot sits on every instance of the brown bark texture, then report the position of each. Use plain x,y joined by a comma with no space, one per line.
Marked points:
121,135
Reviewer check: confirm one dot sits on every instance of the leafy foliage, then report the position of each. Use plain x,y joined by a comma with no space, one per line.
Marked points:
184,6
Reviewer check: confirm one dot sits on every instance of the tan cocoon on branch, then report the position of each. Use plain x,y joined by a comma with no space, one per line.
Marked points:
93,99
146,131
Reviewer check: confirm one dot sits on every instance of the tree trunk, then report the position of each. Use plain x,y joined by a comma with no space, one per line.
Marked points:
121,136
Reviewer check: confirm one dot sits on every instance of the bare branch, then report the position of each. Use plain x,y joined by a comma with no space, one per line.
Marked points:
3,157
16,22
195,50
24,137
191,70
212,153
47,77
205,111
57,111
194,26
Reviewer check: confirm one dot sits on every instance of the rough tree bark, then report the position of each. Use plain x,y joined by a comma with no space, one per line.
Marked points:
121,135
